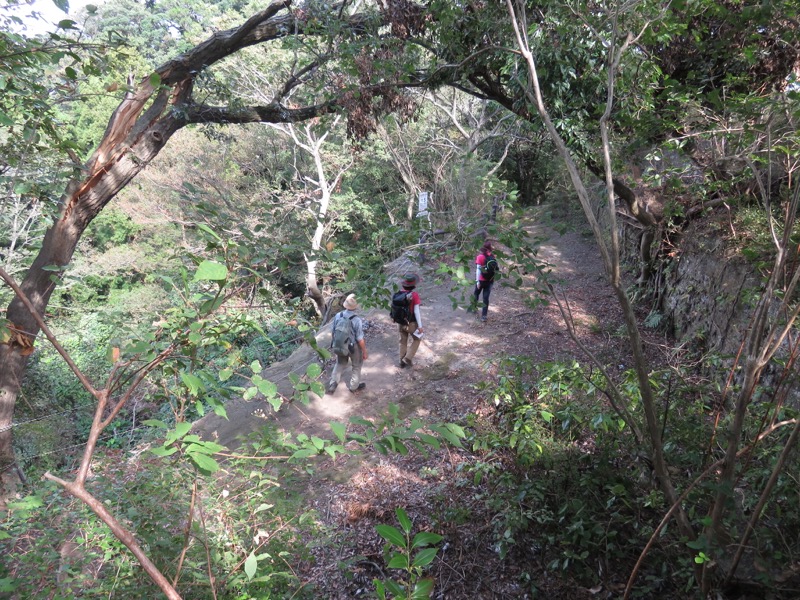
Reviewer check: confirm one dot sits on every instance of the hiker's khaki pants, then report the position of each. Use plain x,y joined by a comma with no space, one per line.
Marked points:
341,364
405,331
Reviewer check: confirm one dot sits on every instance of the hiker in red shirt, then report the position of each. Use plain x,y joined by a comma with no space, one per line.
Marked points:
414,326
483,280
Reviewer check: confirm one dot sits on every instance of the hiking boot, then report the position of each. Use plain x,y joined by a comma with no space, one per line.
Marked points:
402,364
361,386
331,387
407,362
483,319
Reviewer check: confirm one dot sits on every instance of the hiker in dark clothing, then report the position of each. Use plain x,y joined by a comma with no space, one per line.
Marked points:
483,279
414,327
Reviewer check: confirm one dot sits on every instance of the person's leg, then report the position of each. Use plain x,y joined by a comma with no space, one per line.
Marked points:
403,342
412,326
487,289
336,375
357,359
475,294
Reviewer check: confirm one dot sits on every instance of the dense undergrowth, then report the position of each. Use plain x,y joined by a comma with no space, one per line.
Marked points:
568,485
241,528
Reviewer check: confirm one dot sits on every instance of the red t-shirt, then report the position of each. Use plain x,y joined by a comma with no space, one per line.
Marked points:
480,260
415,301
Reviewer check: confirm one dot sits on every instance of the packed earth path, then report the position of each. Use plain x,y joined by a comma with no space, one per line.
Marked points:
355,492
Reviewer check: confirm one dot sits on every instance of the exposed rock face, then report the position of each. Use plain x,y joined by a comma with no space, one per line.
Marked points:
705,290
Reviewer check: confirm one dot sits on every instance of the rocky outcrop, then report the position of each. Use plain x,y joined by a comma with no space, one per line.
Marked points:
703,291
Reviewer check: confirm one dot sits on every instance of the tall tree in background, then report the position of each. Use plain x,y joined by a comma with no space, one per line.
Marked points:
150,113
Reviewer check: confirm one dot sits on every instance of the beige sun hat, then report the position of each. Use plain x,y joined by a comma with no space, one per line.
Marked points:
350,302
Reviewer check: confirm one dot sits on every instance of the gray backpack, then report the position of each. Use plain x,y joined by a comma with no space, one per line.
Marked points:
342,335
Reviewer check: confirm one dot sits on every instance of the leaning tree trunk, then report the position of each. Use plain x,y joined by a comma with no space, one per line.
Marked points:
137,131
124,152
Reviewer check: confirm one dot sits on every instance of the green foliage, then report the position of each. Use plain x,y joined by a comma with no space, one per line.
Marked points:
409,555
111,227
391,434
249,530
756,241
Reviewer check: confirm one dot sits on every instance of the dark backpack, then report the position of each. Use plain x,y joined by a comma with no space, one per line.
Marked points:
341,335
491,268
401,307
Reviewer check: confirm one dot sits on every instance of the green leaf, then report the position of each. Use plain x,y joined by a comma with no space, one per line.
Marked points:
200,408
155,423
4,535
313,371
27,503
162,451
405,522
250,565
155,79
262,508
208,230
62,5
205,447
304,453
423,589
193,382
430,440
204,462
318,388
380,590
395,589
425,557
181,429
391,535
425,538
209,270
398,561
225,374
447,435
339,430
269,389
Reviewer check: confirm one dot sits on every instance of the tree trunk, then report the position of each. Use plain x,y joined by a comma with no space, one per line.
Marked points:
137,131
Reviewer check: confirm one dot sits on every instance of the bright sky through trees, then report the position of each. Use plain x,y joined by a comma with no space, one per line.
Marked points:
41,16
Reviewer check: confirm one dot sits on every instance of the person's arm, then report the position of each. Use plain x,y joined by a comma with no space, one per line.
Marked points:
417,317
363,345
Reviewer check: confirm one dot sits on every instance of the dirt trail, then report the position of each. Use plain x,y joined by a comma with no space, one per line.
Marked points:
454,352
354,493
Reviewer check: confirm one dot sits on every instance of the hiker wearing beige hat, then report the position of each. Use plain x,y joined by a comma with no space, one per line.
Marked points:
348,345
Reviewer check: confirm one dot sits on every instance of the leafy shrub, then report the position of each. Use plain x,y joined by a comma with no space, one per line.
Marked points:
246,530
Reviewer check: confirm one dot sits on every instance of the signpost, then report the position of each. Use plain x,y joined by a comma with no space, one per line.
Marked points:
422,212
